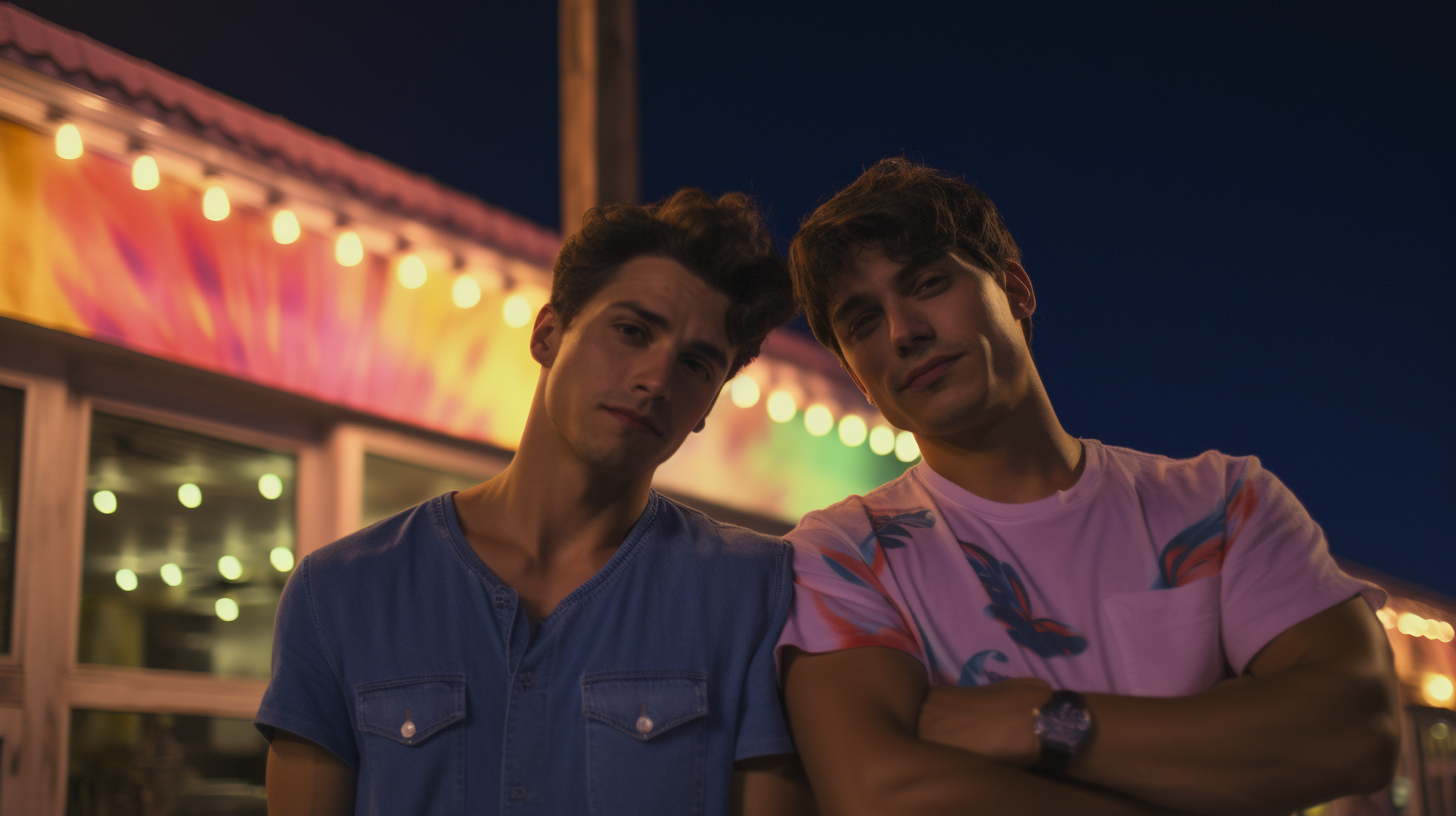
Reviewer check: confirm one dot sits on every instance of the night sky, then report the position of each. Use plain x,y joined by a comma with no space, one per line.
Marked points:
1238,220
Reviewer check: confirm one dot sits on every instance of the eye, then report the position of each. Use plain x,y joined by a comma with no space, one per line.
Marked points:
631,331
698,367
862,324
931,283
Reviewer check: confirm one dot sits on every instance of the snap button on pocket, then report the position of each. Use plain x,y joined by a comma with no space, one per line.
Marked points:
408,729
644,722
388,708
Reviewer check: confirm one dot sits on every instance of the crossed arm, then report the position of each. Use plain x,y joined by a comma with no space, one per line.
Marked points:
1315,717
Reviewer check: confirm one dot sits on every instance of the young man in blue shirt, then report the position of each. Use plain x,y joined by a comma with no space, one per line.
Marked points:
561,638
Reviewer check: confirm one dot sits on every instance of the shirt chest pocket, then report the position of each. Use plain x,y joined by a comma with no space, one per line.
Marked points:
1170,640
411,745
646,741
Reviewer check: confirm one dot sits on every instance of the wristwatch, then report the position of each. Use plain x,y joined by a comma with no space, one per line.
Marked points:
1062,727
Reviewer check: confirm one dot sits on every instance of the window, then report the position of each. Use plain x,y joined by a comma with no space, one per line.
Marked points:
165,763
188,542
12,411
391,485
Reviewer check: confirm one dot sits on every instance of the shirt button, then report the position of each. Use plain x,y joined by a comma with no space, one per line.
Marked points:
501,602
526,680
518,793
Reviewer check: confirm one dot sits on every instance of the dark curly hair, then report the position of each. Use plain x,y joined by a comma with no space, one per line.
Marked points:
724,242
909,212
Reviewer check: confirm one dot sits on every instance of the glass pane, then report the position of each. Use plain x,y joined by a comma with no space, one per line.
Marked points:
12,410
189,540
391,486
123,764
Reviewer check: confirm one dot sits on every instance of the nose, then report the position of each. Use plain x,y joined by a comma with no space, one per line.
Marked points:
909,328
653,373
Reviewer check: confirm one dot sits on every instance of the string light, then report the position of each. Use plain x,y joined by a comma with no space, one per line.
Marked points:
104,501
171,575
465,291
818,419
285,226
906,449
743,390
226,608
411,272
781,406
882,440
348,249
144,173
230,567
852,430
281,558
68,142
190,495
1438,688
516,311
270,486
215,204
126,579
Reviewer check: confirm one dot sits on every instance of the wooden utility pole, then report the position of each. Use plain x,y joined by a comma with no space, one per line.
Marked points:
599,144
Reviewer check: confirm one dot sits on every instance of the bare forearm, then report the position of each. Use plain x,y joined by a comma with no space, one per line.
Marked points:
1273,744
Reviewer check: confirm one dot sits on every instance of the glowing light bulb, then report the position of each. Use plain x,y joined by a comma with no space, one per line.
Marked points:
781,406
1411,624
516,311
882,440
1438,688
68,142
348,249
104,501
230,567
906,449
226,608
852,430
411,272
285,227
465,291
215,206
1387,618
281,558
144,173
126,579
190,495
743,390
171,575
818,419
270,486
1448,633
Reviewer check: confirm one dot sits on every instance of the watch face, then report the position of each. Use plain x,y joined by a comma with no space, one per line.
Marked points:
1063,723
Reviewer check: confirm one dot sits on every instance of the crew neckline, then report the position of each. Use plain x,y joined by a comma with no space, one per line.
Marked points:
1086,486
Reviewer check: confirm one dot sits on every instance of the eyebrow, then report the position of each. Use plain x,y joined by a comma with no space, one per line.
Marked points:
858,301
703,347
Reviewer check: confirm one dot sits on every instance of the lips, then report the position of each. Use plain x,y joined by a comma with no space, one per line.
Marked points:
928,371
633,419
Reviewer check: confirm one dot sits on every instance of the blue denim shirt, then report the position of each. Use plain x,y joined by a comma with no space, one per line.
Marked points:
399,651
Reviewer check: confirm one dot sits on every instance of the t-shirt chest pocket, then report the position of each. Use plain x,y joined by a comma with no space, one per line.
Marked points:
646,741
410,756
1169,639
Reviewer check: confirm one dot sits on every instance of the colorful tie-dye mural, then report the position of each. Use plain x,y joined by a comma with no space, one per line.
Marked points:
83,251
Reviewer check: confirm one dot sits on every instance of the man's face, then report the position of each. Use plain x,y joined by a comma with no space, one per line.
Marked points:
639,367
936,347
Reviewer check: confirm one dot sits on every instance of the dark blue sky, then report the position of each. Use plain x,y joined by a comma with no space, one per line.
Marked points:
1238,220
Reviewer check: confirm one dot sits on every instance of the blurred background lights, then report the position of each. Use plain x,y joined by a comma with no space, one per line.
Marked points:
171,575
270,486
68,142
1438,688
743,390
144,173
1440,731
230,567
348,249
882,439
226,608
465,291
781,406
411,271
104,501
215,206
285,226
516,311
190,495
852,430
1387,617
818,419
281,558
126,579
906,449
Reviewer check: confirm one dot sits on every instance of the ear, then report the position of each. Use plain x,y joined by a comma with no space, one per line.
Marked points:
546,336
703,423
1018,290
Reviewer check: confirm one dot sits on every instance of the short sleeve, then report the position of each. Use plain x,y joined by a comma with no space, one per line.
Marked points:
1277,569
762,729
840,601
304,694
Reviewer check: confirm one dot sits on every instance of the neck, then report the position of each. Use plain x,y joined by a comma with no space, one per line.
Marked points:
1020,456
548,506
